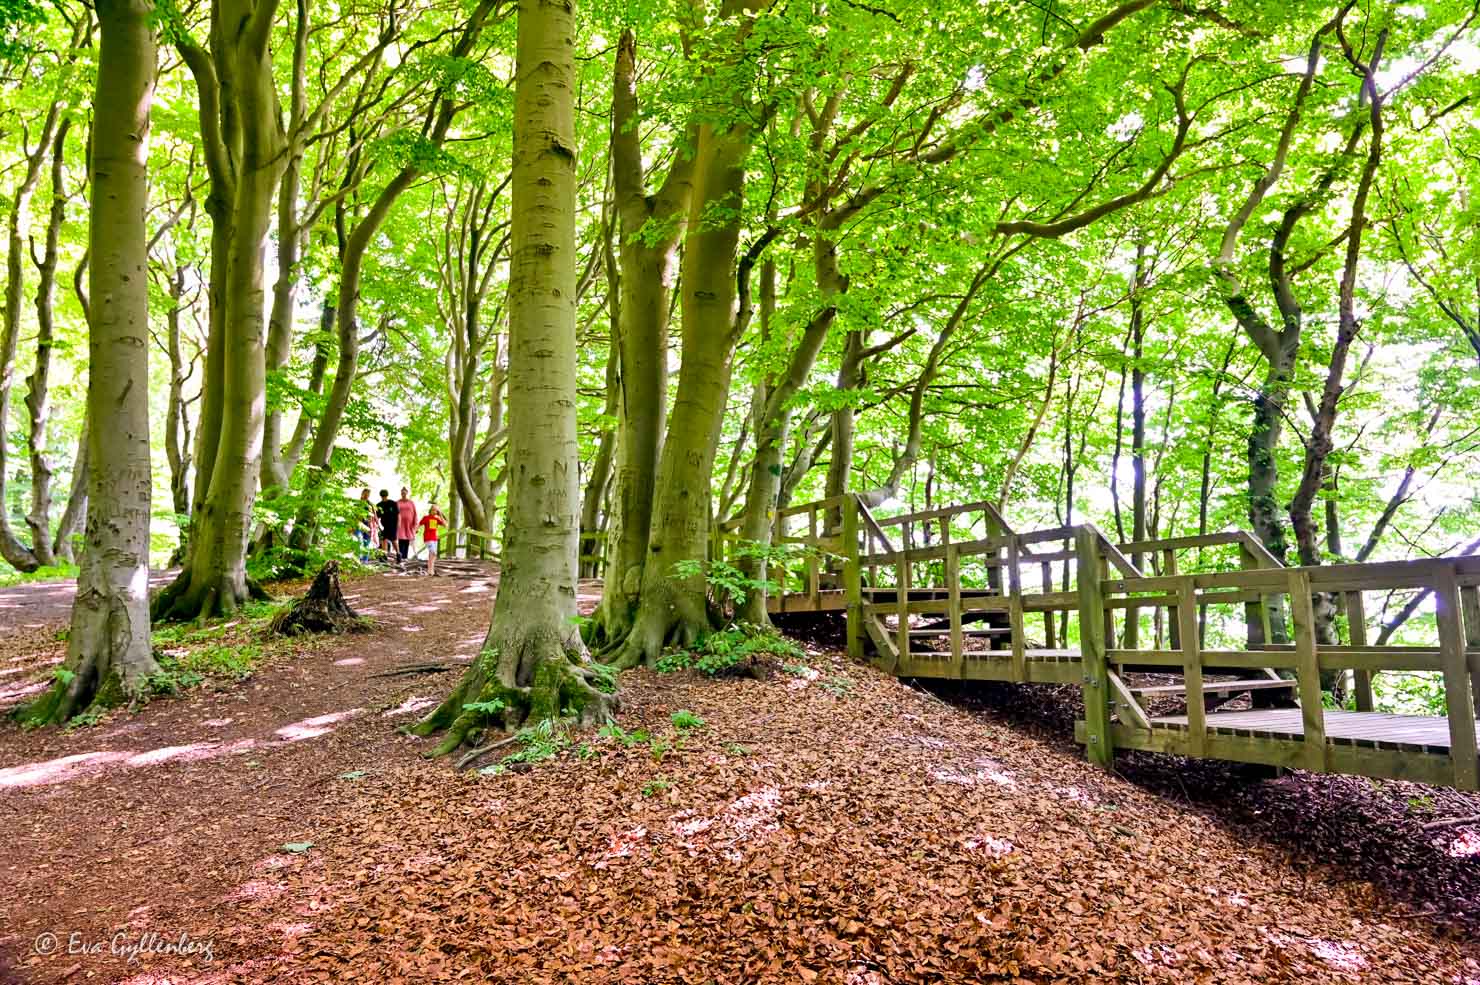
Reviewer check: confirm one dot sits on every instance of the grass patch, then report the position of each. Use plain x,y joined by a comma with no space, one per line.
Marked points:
53,572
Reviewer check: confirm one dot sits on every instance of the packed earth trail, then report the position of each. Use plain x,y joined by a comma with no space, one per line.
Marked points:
827,824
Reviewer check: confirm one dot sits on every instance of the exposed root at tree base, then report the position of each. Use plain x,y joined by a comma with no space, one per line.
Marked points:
184,600
534,677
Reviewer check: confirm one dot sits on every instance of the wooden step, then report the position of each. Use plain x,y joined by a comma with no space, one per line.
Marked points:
1214,687
946,631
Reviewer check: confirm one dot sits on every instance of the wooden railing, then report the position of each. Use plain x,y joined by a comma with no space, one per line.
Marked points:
1454,583
1087,588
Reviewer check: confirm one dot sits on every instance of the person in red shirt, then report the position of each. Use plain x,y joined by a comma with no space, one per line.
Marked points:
405,522
431,525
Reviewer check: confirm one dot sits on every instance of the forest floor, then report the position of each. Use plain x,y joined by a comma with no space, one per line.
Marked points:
829,825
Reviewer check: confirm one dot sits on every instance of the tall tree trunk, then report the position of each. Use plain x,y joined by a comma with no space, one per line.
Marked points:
12,549
673,608
245,150
649,228
74,514
109,654
533,659
177,418
38,401
773,423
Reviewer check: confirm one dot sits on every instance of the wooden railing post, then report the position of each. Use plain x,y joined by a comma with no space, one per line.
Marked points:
1470,607
1308,670
1256,614
953,595
1192,676
1356,621
1174,616
994,573
1046,573
1458,700
902,600
1016,631
814,563
852,577
1099,745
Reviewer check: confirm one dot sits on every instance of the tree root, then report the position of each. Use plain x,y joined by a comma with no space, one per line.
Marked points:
558,688
186,600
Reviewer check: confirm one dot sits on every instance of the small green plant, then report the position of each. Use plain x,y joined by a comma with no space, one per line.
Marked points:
684,720
604,678
723,651
655,786
538,743
736,749
612,730
86,719
492,707
586,751
659,749
1422,804
838,686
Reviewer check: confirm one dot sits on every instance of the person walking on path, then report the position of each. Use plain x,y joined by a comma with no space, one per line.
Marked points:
406,522
389,515
431,525
366,525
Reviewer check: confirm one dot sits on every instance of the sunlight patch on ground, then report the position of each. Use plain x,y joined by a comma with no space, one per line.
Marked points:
16,691
987,771
312,728
349,662
83,764
56,770
749,818
989,845
1466,845
412,704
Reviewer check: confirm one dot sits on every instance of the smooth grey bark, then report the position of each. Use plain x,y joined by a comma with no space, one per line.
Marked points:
533,660
109,652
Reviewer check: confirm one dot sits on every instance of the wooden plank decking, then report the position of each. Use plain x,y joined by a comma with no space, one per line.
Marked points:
1359,728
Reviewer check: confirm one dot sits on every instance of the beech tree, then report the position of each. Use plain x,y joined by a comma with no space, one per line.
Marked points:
109,651
533,664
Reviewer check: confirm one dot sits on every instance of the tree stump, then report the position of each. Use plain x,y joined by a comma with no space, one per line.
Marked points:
321,610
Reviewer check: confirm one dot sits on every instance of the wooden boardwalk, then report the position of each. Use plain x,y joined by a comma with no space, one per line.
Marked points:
956,593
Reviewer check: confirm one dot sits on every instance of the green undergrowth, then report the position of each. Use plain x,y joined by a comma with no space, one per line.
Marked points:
738,650
53,572
220,652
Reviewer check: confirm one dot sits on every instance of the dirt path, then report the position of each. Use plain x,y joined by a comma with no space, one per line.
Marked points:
827,825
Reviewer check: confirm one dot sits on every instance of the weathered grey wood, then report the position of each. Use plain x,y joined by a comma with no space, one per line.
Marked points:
1125,700
902,576
1307,669
852,578
1092,648
1015,608
1458,700
1356,619
1192,669
1218,687
1256,609
1470,608
1182,543
953,582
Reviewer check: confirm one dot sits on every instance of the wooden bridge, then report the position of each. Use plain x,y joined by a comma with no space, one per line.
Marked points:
1162,657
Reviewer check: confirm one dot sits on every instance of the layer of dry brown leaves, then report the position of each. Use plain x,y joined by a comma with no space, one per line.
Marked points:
835,827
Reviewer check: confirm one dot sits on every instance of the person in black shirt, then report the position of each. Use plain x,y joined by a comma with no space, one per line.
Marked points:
389,515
